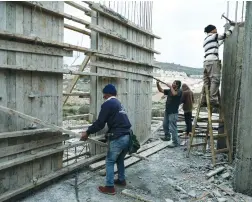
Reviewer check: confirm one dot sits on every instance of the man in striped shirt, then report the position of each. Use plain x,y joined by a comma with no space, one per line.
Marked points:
212,64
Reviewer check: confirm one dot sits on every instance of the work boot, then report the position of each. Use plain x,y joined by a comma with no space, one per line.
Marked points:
172,145
107,190
120,183
166,138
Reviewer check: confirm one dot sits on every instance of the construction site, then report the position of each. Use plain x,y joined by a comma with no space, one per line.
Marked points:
45,105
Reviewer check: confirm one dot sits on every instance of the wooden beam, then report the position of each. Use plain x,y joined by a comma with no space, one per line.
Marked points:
106,65
48,125
80,116
76,29
146,153
84,127
55,174
25,133
76,78
214,172
37,40
100,164
80,7
120,38
121,59
31,157
58,71
80,94
58,14
33,48
19,148
114,16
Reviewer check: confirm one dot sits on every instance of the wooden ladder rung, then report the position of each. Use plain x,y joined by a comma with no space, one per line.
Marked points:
219,136
218,151
210,131
198,144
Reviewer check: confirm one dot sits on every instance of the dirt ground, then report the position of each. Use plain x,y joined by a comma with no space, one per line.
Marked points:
168,176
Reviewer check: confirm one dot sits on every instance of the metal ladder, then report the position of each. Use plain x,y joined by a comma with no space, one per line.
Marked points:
209,131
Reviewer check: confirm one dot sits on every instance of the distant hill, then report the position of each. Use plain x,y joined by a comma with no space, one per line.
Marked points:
179,68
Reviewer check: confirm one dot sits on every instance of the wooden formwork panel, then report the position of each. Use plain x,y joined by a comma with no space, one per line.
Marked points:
33,93
135,91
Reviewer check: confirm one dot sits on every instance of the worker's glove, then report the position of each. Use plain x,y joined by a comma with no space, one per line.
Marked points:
232,23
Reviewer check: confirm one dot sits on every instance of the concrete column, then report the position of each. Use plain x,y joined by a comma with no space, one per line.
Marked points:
230,85
243,165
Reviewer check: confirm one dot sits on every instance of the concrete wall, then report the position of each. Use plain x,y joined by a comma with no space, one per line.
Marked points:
243,166
230,86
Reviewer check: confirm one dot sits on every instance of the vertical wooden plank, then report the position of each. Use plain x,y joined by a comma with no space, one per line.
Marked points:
11,88
93,79
4,176
58,163
26,169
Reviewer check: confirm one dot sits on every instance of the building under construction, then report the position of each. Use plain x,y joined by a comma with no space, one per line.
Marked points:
33,142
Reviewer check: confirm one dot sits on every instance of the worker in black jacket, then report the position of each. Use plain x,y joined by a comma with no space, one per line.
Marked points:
113,113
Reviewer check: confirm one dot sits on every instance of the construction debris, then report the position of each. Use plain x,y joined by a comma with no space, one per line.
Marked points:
131,194
215,172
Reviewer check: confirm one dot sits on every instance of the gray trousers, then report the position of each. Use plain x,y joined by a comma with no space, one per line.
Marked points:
211,78
170,126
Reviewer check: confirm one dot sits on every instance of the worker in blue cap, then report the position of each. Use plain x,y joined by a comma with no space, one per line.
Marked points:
113,113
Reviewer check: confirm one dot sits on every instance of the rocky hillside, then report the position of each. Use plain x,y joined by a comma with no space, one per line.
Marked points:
179,68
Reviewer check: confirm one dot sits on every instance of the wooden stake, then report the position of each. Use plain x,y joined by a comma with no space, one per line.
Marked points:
48,125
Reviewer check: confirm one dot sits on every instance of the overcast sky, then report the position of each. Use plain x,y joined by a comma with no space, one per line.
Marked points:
179,23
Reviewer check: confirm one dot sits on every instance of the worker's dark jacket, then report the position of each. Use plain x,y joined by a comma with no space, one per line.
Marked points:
113,113
187,99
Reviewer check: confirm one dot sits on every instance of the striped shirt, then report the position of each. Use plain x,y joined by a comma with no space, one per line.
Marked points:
212,43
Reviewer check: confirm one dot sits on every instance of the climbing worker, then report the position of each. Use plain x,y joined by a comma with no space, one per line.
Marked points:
171,111
212,64
187,100
113,113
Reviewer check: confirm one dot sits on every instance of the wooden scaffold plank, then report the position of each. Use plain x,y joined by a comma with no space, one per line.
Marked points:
80,7
121,59
58,14
76,78
146,153
25,133
59,71
32,48
38,40
76,29
15,149
80,94
114,35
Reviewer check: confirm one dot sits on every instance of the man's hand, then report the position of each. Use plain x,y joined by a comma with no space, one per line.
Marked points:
84,136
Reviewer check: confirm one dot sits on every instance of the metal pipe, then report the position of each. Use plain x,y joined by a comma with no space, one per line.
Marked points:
227,9
236,11
242,11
